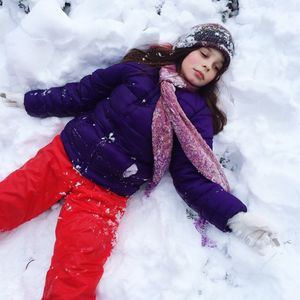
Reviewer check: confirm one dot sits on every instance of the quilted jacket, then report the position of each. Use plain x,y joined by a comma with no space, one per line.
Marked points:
109,138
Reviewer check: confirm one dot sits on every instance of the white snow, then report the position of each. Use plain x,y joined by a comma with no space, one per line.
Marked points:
130,171
158,254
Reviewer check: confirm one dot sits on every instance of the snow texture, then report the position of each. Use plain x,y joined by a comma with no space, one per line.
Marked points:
158,254
130,171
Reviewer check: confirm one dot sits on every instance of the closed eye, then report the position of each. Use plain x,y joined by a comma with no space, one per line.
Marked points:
203,54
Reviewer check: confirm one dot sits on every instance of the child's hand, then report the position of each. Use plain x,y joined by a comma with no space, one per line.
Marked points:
12,99
253,230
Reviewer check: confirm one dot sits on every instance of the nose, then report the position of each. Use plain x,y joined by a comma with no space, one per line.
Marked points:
207,66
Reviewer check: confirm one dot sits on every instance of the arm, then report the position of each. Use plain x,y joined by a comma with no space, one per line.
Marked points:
74,98
208,199
211,201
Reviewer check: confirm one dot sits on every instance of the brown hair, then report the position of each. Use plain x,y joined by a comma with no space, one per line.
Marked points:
163,54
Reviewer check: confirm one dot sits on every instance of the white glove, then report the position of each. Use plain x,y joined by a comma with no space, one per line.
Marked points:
12,99
253,230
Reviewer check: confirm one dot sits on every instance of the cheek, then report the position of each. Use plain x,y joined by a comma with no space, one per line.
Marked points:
193,59
184,66
210,78
212,75
188,62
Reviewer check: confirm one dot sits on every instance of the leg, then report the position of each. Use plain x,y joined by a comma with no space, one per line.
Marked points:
34,187
85,235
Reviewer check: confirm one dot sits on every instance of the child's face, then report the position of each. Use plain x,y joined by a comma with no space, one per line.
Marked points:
201,66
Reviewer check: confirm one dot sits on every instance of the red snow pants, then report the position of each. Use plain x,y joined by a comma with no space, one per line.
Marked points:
86,227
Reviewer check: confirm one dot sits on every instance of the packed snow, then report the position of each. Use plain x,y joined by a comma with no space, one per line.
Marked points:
158,254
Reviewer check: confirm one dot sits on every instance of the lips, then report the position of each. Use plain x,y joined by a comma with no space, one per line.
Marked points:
199,74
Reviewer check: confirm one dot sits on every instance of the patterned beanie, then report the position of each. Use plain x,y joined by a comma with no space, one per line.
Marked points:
208,35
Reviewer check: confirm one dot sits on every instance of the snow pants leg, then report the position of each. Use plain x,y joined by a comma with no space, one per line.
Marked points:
86,227
85,236
35,187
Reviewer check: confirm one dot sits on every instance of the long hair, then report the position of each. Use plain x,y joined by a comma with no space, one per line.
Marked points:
162,54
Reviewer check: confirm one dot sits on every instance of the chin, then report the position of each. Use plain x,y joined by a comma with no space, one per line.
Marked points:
196,83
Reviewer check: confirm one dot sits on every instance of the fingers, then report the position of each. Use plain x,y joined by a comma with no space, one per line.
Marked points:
261,238
253,231
275,242
8,102
11,103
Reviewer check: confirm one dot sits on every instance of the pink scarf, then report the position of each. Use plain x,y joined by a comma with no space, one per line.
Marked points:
168,116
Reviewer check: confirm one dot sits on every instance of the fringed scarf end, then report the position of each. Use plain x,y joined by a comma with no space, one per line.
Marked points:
149,188
202,226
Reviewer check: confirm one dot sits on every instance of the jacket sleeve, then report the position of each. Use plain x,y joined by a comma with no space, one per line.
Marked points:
208,199
74,98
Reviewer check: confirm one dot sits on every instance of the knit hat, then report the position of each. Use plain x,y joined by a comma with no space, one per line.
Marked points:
208,35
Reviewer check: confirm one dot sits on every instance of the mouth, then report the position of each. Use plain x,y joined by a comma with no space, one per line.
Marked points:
199,74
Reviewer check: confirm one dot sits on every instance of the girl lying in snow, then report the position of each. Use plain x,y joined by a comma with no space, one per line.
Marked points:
155,110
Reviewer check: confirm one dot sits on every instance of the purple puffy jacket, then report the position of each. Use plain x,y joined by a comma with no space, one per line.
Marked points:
109,140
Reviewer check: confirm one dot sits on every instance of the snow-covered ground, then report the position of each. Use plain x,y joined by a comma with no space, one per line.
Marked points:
158,255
